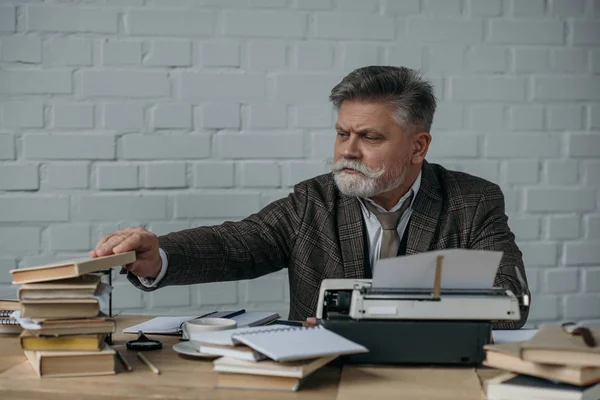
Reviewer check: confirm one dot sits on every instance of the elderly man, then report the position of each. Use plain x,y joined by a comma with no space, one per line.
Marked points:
381,199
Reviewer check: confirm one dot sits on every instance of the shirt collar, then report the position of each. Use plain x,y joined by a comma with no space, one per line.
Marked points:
414,189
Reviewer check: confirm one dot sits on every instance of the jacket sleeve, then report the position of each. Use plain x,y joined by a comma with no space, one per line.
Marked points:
490,231
255,246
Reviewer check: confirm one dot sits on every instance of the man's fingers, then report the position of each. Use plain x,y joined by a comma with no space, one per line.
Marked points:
311,321
132,242
108,246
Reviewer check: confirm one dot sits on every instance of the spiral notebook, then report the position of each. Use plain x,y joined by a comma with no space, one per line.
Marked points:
297,343
9,325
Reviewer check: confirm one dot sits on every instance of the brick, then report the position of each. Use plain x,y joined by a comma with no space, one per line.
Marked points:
322,144
565,117
8,18
19,177
532,60
295,87
559,200
451,145
313,116
21,48
355,26
298,171
260,145
139,84
221,54
445,58
218,293
591,280
533,281
121,53
570,60
7,147
123,116
268,3
486,8
582,306
213,205
73,115
402,8
586,33
359,5
445,30
266,54
443,8
71,19
220,115
163,228
448,116
527,8
482,168
213,174
512,197
567,88
539,254
592,173
487,117
265,290
169,54
526,32
70,237
35,82
72,175
114,207
19,239
126,296
563,227
562,281
164,147
584,145
260,174
41,208
23,114
111,177
409,56
267,116
165,175
68,147
522,172
188,23
488,88
7,264
223,86
172,116
488,59
522,145
592,226
525,227
582,253
594,117
314,55
174,296
559,172
527,117
276,24
67,52
358,55
544,308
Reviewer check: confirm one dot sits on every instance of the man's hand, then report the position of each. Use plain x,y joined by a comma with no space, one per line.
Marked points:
148,262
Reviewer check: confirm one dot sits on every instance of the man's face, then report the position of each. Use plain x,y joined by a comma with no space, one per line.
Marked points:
371,152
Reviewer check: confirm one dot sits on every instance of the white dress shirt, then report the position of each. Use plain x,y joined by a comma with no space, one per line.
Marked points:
372,223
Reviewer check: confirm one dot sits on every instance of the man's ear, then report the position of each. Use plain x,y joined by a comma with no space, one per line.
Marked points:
421,141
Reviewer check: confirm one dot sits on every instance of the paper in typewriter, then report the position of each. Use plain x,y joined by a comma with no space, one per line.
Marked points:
461,269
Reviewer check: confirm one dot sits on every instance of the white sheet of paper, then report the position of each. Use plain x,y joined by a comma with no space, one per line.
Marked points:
513,336
461,269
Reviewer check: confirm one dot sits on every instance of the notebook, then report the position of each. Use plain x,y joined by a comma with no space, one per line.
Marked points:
292,369
518,387
9,325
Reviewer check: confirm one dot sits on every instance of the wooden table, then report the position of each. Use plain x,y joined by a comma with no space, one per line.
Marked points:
192,378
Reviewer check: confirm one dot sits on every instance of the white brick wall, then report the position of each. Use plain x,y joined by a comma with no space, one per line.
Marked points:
172,114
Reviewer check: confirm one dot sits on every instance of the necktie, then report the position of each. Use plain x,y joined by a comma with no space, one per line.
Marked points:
390,240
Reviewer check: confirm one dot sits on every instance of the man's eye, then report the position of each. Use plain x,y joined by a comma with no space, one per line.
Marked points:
371,138
342,133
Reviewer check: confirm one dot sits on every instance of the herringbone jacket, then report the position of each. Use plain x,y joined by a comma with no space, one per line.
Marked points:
317,233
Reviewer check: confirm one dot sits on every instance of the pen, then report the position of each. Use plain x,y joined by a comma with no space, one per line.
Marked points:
234,314
123,361
148,363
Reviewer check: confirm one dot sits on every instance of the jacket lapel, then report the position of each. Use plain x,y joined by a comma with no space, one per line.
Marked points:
350,232
426,213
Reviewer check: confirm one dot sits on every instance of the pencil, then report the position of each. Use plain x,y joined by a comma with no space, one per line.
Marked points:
123,361
148,363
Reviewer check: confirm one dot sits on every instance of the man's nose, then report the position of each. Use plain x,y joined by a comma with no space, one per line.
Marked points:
351,148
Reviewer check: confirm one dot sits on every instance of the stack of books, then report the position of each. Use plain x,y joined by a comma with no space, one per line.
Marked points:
553,364
64,330
272,357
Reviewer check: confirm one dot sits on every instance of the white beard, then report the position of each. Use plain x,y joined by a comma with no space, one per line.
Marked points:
367,183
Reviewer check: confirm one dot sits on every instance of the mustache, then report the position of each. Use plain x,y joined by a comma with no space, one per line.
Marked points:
337,167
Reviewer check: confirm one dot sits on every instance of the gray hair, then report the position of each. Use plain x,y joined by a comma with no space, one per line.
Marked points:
403,88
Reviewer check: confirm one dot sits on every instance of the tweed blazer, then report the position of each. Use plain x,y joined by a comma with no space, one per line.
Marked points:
317,233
